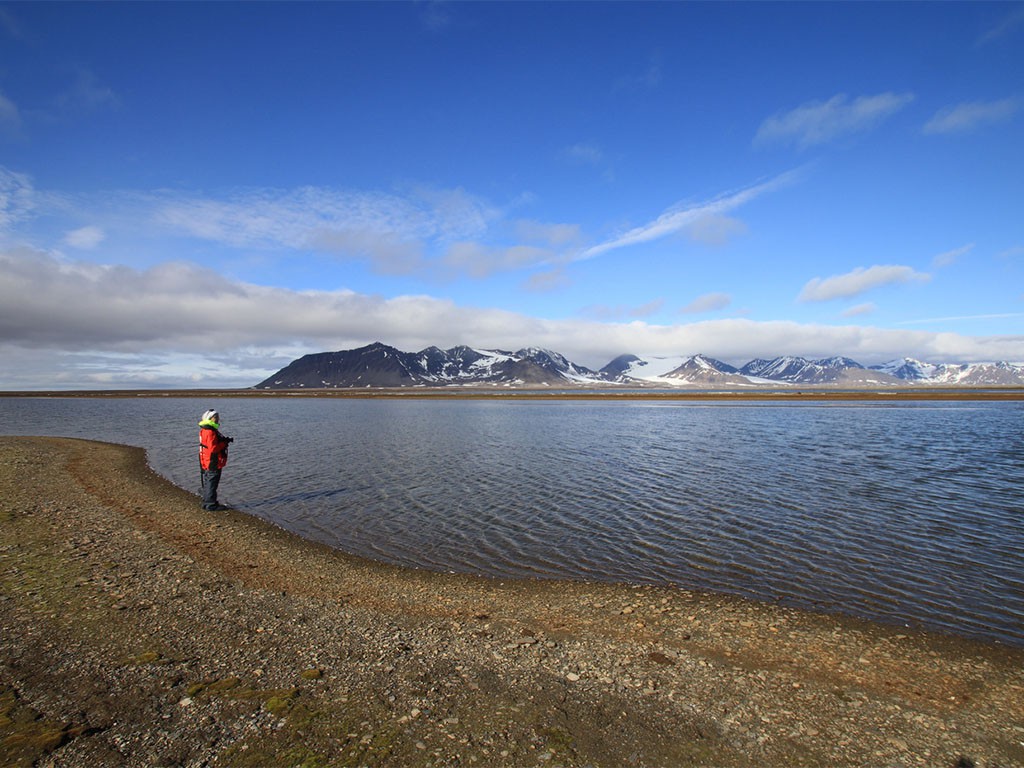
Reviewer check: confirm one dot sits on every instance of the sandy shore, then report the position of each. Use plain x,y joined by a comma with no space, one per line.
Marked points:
136,629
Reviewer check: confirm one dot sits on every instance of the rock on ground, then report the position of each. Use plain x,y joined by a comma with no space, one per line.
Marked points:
136,629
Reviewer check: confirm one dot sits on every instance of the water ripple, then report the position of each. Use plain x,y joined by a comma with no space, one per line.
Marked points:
910,513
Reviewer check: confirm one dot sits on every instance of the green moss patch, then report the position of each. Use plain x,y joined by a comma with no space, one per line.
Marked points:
26,737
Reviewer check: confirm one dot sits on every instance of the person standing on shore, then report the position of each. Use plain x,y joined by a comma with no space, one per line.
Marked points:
213,457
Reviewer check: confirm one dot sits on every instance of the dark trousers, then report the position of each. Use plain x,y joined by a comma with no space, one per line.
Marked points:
211,479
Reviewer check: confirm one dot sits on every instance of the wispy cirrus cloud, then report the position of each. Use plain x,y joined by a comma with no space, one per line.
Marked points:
589,155
86,93
819,122
390,231
437,16
685,216
478,260
607,313
9,25
17,198
716,229
294,218
547,281
423,231
709,302
584,154
10,116
859,281
85,238
555,235
1007,24
646,78
970,115
859,310
959,318
950,257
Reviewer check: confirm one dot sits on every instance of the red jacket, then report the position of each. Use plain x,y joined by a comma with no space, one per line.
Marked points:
213,449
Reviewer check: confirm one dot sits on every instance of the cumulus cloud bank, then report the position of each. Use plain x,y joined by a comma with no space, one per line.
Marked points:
177,311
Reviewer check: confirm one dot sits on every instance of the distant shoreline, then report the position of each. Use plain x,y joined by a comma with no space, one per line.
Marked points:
545,394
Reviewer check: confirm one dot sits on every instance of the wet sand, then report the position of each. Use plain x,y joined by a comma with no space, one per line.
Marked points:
137,629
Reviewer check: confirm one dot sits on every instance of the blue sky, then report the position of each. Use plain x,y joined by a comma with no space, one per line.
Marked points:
194,194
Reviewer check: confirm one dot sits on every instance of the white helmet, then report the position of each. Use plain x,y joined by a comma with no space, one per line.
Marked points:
211,415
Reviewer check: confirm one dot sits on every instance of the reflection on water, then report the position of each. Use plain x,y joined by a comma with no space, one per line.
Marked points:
909,512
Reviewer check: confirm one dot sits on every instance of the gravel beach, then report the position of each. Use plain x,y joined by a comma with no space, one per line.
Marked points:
138,630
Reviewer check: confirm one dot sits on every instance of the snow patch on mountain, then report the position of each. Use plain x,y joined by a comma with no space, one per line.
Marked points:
378,365
650,368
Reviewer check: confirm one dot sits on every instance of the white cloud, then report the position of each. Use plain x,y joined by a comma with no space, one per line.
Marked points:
550,234
144,323
9,24
715,229
87,94
9,113
85,238
858,281
969,116
709,302
819,122
430,233
859,310
684,216
960,318
386,251
436,16
950,257
605,313
297,218
587,154
17,198
453,213
1008,23
547,281
391,232
476,260
293,219
647,78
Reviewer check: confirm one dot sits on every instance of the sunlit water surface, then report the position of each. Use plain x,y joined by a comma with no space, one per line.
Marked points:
911,513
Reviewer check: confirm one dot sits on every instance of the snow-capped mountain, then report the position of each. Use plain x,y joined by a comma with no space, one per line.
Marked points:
833,370
378,365
1000,374
629,369
696,370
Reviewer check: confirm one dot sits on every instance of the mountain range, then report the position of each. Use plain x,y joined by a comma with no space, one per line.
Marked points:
379,365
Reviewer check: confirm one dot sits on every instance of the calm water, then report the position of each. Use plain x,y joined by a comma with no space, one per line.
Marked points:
911,513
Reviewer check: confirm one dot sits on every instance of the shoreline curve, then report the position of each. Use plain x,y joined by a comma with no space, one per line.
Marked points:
136,627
